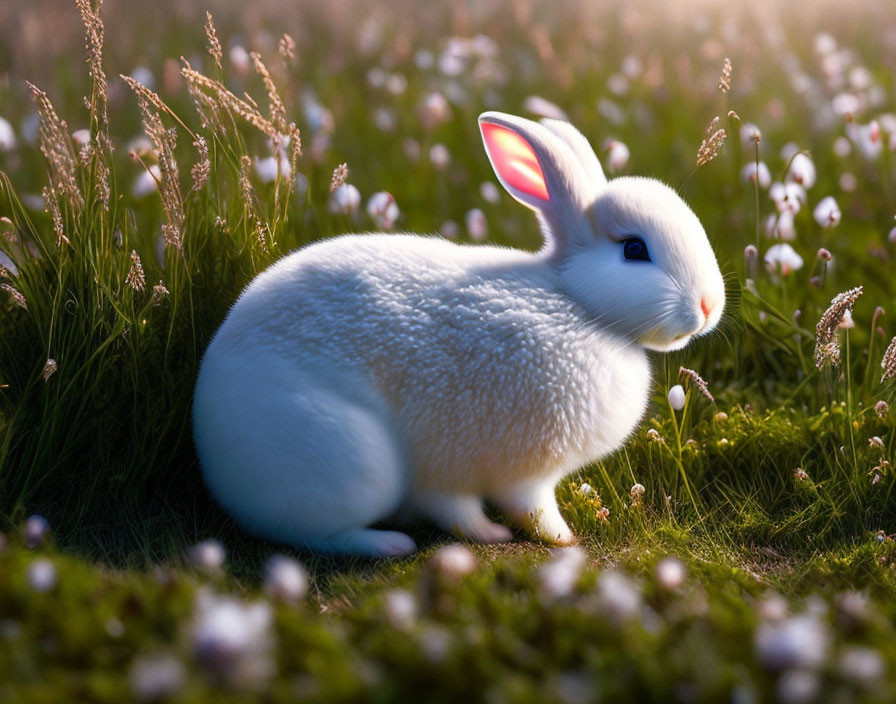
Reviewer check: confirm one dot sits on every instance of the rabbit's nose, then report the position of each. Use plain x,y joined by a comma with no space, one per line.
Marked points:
704,307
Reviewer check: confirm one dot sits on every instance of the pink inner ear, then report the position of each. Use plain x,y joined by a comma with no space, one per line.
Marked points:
514,160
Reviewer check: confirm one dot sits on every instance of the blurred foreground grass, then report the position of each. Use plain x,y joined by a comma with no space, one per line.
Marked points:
781,486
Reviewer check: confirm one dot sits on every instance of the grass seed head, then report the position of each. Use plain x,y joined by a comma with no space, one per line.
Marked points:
725,78
888,363
827,348
136,279
711,144
214,46
697,381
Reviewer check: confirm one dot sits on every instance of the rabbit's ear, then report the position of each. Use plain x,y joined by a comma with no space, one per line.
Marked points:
581,147
541,171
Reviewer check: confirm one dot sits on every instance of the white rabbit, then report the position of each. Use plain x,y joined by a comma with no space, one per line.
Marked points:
368,377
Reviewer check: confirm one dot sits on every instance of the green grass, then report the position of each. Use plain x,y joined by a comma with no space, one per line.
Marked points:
103,447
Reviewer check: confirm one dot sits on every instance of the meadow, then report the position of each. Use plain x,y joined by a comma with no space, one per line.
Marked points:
741,547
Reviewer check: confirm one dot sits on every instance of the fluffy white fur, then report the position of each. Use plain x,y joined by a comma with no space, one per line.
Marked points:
368,378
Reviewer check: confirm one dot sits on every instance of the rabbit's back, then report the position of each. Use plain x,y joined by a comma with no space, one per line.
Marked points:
491,373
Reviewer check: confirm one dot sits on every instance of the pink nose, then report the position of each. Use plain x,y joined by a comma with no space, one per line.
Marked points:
705,308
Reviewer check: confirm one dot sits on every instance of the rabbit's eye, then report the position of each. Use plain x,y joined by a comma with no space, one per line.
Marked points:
634,248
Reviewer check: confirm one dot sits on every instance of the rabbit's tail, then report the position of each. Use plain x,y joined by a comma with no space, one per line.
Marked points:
307,457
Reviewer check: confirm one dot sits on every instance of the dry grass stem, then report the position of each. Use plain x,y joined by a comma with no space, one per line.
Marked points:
56,146
236,105
725,78
827,348
697,381
712,142
276,108
51,198
214,46
17,297
136,279
340,173
888,363
286,47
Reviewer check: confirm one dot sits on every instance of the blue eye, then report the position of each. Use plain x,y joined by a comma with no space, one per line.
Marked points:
634,248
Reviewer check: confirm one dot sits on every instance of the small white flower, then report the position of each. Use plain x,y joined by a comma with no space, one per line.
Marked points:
618,155
240,60
489,191
424,59
782,257
285,578
147,182
802,171
41,575
619,595
827,213
453,561
208,555
670,573
81,137
784,227
376,77
232,640
867,138
154,677
842,147
449,230
863,666
557,578
848,182
753,172
37,530
345,200
586,489
401,609
384,119
439,156
434,110
748,135
267,168
677,397
787,196
891,236
383,209
477,225
798,687
632,67
396,83
541,107
7,136
143,75
800,641
845,104
435,643
617,84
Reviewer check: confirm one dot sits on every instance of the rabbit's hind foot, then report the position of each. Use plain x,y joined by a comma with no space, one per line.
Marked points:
462,516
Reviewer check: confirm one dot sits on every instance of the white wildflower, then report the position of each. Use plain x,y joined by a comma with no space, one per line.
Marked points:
154,677
670,573
797,687
240,60
41,575
453,561
449,230
37,530
401,609
383,209
677,397
7,136
285,578
787,196
147,182
619,595
863,666
489,192
439,156
749,136
842,147
782,257
800,641
557,578
586,489
802,171
476,224
434,110
345,200
753,172
618,155
827,213
232,640
208,555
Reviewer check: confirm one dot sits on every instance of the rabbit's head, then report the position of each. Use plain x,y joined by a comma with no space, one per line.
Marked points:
629,250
